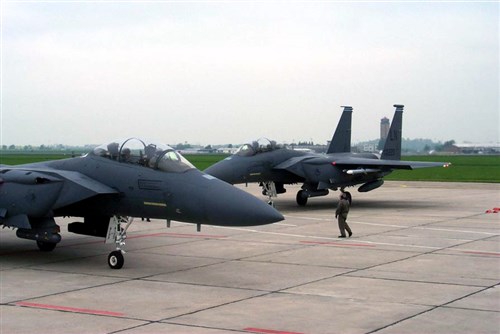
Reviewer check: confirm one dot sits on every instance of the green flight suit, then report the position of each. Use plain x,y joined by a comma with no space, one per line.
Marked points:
341,214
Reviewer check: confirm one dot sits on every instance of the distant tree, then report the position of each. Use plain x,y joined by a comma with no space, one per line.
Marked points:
4,147
12,147
208,147
181,146
449,143
441,147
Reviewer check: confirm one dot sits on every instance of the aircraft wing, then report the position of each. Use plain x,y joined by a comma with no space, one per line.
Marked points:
352,165
386,164
38,190
287,164
296,165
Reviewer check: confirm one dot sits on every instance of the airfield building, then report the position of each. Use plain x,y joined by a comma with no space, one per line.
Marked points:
385,125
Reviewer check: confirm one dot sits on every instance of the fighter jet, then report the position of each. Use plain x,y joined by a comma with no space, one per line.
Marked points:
111,185
273,165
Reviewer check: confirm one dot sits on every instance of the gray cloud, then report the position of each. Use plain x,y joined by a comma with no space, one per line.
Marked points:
227,72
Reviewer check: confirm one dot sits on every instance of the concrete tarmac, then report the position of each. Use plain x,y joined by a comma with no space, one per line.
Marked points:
424,258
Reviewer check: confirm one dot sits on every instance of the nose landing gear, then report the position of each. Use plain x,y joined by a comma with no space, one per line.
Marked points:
117,234
269,190
116,259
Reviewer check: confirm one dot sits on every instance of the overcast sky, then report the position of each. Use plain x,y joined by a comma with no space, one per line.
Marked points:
80,72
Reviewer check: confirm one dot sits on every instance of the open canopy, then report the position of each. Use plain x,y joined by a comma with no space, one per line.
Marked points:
258,146
145,153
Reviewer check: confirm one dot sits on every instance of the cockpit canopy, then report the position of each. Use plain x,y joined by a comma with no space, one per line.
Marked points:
148,154
258,146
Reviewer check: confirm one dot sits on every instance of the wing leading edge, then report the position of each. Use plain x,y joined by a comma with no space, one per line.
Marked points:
35,191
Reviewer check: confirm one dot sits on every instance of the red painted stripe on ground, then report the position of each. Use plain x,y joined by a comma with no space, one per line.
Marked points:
339,244
268,331
481,253
161,234
70,309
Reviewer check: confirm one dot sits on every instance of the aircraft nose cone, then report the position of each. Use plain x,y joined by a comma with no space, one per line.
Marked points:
230,206
222,171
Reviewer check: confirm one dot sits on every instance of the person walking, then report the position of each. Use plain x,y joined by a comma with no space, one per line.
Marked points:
341,215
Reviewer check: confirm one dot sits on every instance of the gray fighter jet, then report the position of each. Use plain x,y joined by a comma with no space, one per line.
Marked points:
112,184
273,165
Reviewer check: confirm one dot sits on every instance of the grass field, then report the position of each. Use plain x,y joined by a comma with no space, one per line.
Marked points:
464,168
203,161
475,168
26,158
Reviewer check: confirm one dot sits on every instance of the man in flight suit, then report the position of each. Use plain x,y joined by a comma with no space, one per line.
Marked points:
341,214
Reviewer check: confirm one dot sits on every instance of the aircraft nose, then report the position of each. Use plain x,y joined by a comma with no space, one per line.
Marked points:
227,205
221,170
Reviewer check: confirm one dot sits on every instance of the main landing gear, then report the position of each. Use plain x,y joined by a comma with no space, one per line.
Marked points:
304,194
302,198
117,234
271,189
45,246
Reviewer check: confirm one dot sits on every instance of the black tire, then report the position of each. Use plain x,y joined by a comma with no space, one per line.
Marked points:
301,198
116,260
46,246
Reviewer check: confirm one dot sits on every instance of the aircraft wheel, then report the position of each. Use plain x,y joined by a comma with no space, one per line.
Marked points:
116,260
301,198
349,197
46,246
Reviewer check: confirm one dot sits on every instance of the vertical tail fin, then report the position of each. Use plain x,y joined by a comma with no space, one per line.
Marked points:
341,140
392,147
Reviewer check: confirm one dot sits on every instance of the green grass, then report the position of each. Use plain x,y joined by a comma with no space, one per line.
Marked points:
203,161
26,158
472,168
200,161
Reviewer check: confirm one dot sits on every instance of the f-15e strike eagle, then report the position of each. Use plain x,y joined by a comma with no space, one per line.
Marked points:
111,184
274,165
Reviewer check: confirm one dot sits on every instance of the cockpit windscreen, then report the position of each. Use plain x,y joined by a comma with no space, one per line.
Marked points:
148,154
258,146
